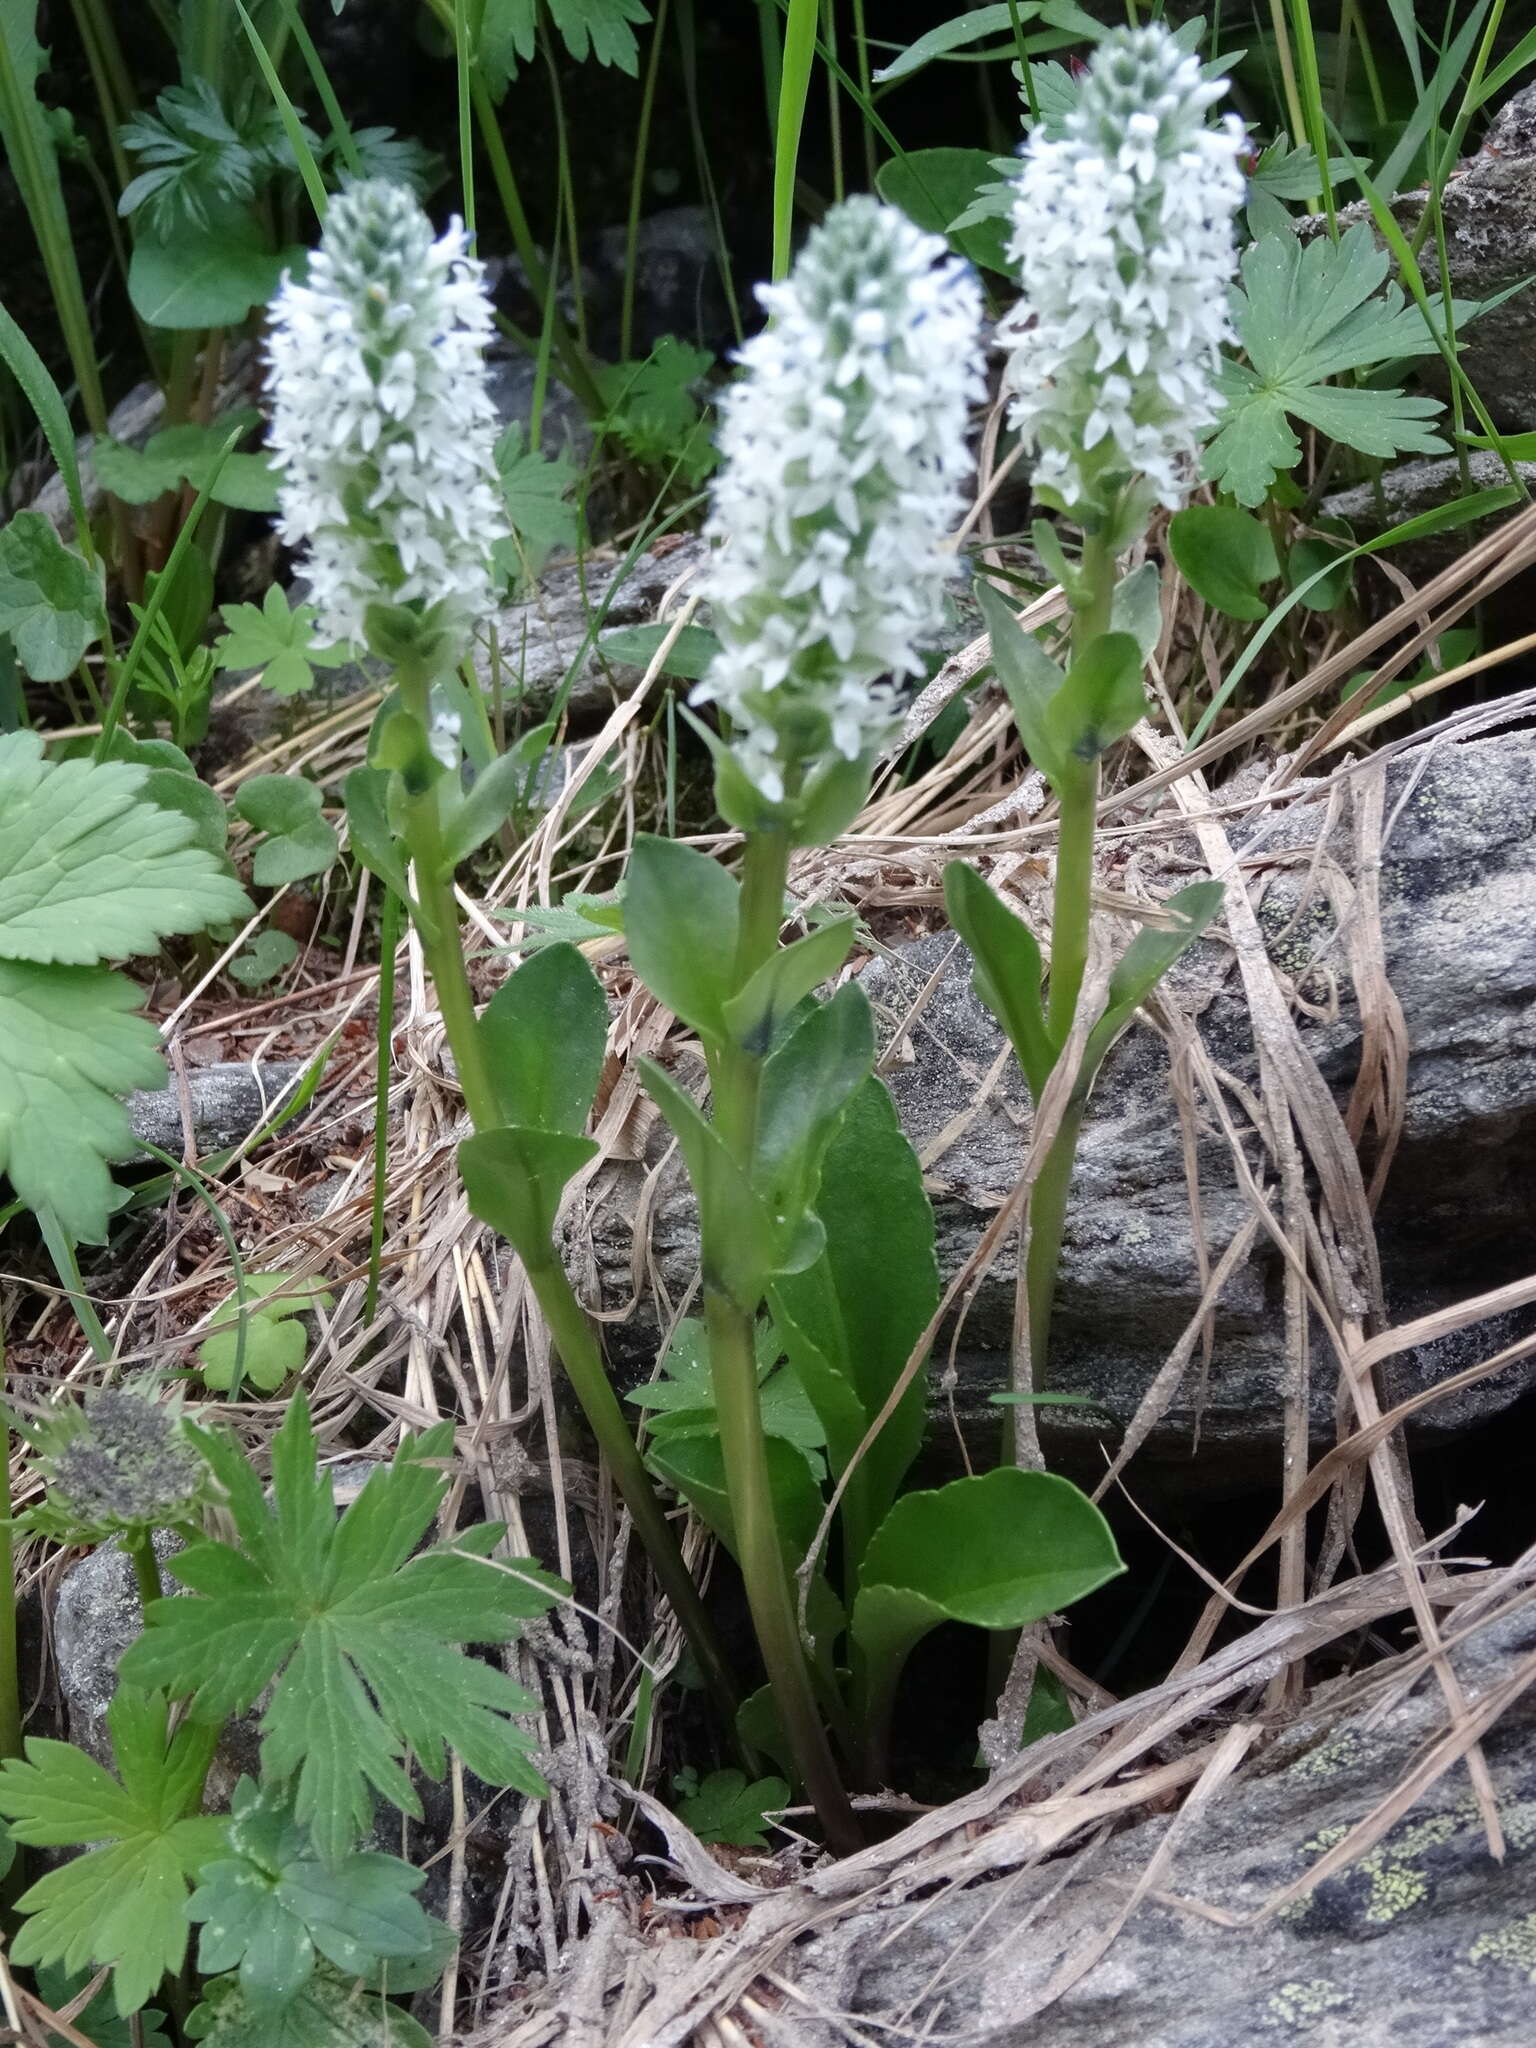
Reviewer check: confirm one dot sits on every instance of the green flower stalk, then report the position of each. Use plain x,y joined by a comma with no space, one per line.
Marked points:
1123,237
384,431
844,459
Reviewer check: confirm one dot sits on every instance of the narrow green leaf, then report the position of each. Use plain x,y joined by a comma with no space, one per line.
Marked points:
1007,968
1100,700
850,1321
806,1085
1028,675
545,1033
369,833
680,920
757,1015
47,402
514,1180
1144,963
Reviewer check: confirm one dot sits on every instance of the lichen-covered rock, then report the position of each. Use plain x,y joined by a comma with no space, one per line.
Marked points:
1459,926
1422,1943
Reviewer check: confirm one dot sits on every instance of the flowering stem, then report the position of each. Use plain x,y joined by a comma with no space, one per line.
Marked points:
438,927
1071,918
737,1079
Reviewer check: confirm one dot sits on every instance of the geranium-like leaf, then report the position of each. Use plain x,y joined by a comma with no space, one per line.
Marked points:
89,870
50,600
726,1808
121,1905
270,1908
276,638
1305,314
359,1639
73,1045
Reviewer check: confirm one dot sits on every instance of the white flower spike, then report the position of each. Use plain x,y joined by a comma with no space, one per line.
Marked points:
1123,238
382,427
844,460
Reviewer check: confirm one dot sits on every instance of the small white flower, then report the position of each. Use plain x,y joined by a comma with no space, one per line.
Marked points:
382,427
844,460
1123,239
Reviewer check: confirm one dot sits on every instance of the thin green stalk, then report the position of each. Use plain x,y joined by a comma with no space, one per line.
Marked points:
637,179
737,1078
760,1553
10,1670
1312,108
1072,903
834,112
867,88
466,133
577,1350
61,1251
1287,71
794,91
389,939
109,76
438,928
1047,1221
573,365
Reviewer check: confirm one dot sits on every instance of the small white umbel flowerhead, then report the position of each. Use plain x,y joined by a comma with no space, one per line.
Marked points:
844,459
382,428
1123,238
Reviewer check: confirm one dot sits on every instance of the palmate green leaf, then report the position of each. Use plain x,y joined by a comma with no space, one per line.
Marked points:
601,28
275,1337
89,871
189,454
269,1908
50,600
278,639
121,1905
359,1640
328,2013
682,1401
726,1808
73,1045
99,2021
1305,314
535,489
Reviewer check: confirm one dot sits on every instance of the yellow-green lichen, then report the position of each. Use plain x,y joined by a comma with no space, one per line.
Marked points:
1514,1944
1294,2004
1394,1881
1330,1757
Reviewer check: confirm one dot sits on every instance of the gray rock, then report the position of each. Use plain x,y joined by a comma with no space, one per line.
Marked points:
230,1099
677,286
1423,1942
1422,486
1489,208
540,639
1459,921
96,1616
